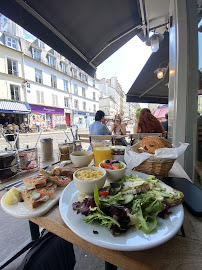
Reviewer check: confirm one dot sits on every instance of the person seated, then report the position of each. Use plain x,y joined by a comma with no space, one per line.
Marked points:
99,127
148,123
119,128
165,123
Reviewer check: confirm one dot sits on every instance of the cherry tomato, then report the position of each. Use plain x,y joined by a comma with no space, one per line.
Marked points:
104,193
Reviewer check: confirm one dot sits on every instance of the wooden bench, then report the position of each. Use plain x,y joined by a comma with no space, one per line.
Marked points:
88,138
139,136
84,138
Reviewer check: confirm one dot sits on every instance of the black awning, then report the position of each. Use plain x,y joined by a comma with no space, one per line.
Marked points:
79,30
147,88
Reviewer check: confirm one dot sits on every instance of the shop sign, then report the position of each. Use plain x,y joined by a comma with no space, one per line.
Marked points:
42,109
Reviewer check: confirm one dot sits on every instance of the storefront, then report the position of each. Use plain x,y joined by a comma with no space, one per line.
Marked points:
48,117
83,119
14,112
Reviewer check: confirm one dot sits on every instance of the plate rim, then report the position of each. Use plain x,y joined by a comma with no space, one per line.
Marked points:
120,247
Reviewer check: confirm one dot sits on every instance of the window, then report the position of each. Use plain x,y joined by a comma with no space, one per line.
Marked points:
53,81
84,106
83,92
83,77
93,83
12,67
76,104
75,89
66,85
51,61
15,92
54,100
94,107
41,44
36,54
66,102
64,67
38,76
74,73
39,97
93,95
11,42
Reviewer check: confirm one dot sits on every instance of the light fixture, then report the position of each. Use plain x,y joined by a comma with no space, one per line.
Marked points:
154,41
160,72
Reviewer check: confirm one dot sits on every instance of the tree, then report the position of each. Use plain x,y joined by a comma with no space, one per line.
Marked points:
137,112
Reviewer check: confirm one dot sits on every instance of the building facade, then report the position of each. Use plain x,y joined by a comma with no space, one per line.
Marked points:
58,92
113,100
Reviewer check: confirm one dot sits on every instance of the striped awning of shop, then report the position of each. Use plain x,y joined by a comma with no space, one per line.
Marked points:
14,107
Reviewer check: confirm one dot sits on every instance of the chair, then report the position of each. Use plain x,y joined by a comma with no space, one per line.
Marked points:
139,136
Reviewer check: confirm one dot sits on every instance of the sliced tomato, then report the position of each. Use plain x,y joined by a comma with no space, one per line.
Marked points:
106,166
104,193
115,167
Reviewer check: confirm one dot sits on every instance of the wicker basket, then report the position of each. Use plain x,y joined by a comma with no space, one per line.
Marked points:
153,165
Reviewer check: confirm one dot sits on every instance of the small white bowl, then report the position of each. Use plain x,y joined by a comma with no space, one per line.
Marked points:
81,158
87,187
115,175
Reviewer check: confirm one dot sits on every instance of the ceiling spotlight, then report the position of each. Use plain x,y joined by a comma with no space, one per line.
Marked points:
160,72
154,41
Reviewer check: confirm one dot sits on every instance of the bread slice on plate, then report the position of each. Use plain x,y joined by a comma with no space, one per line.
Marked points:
35,197
38,181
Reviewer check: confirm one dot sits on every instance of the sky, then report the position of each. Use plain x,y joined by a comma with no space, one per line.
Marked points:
126,63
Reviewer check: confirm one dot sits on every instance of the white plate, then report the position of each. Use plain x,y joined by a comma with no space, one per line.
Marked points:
132,240
22,210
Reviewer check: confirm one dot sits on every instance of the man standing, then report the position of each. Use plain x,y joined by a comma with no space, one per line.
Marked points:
98,127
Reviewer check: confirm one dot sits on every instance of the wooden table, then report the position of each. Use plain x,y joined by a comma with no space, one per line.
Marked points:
182,252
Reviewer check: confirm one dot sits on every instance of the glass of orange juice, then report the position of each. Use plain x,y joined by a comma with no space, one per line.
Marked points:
101,151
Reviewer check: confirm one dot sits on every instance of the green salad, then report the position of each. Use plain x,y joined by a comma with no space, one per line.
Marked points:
133,201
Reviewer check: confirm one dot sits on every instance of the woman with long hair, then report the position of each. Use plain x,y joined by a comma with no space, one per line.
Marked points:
148,123
118,127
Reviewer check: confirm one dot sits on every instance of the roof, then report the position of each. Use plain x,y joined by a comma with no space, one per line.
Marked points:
147,88
85,32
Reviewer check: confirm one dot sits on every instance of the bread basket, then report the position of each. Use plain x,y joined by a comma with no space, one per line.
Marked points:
153,165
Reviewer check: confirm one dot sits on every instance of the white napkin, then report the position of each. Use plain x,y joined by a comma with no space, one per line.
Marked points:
134,159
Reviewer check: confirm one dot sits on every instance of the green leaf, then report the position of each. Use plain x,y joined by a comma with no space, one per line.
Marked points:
96,199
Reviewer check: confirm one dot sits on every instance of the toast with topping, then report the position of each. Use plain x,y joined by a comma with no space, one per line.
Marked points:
35,197
37,181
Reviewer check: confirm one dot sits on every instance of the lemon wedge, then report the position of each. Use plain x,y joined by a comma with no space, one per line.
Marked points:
12,196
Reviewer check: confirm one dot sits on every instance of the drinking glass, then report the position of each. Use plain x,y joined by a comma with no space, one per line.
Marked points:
101,150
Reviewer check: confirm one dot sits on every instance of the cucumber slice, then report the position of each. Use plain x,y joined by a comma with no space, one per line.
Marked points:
127,198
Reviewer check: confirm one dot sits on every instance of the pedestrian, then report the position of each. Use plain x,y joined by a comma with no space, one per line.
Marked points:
37,126
148,123
119,128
